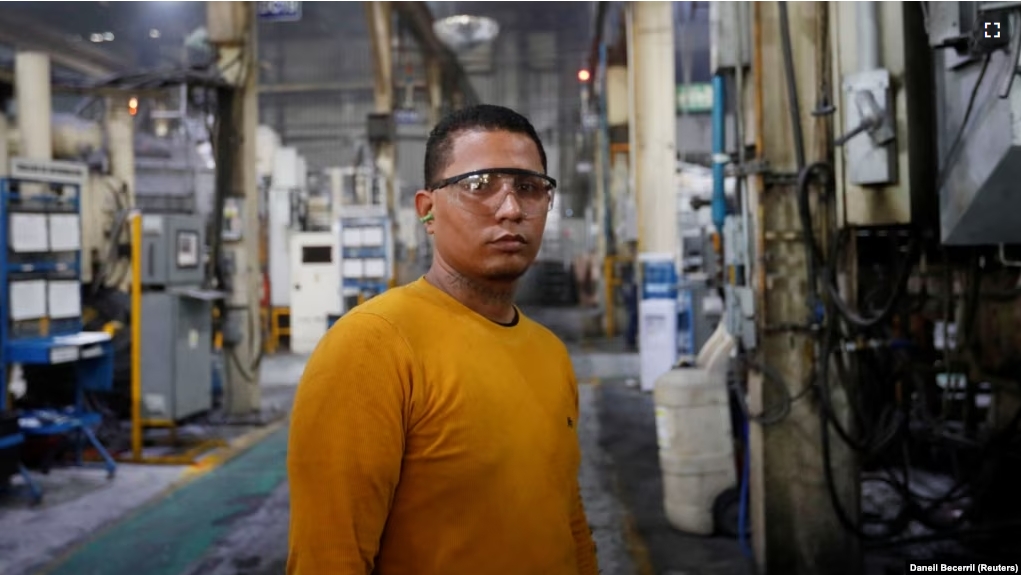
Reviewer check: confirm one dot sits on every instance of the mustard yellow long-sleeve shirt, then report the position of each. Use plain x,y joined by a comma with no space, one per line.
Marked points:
428,440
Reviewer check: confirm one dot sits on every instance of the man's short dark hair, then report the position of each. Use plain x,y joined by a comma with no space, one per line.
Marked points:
481,117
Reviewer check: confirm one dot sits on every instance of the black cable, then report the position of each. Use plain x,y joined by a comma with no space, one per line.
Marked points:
772,415
838,507
793,106
813,255
855,318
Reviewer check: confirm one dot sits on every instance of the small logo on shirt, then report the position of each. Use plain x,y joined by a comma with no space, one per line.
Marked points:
570,422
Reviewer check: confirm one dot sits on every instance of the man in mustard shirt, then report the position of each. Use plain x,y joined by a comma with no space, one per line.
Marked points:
434,429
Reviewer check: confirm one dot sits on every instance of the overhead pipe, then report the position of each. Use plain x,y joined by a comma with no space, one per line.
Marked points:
720,158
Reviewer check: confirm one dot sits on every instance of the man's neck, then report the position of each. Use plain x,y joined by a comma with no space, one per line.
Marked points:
494,301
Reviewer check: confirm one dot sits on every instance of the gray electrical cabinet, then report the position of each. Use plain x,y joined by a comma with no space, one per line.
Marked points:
177,318
173,249
176,353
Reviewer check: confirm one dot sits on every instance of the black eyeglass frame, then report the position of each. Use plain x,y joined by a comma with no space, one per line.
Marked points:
509,171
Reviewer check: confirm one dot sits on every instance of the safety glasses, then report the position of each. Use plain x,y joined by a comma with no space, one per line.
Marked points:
482,192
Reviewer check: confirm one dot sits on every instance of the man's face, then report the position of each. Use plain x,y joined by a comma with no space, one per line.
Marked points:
498,244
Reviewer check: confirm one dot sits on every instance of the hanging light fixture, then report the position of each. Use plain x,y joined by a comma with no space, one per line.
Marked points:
462,32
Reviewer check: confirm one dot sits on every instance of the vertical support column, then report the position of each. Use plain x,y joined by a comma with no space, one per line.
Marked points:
795,528
618,106
652,129
232,29
434,85
35,105
380,17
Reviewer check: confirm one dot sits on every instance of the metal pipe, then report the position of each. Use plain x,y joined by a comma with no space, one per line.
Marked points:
609,283
741,184
35,104
136,335
719,115
793,106
632,113
604,128
867,28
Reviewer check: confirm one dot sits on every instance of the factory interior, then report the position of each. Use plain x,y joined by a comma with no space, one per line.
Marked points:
793,345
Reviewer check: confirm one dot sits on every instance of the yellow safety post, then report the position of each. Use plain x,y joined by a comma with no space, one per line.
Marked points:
136,335
610,282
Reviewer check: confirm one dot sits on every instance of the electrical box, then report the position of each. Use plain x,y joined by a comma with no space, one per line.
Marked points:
871,157
739,298
173,250
176,353
884,184
315,284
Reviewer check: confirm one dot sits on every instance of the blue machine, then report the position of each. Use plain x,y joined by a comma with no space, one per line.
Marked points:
40,301
366,245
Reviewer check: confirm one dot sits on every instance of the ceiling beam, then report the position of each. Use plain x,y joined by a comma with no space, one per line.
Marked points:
310,87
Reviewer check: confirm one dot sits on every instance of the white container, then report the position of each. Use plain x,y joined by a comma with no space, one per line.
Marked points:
696,450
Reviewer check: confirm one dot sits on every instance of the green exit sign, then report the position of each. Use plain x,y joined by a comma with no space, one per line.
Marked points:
695,98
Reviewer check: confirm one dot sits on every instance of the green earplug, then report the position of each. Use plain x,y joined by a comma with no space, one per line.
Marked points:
427,218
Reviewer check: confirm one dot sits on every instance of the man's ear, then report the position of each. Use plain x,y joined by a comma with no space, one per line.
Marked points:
423,203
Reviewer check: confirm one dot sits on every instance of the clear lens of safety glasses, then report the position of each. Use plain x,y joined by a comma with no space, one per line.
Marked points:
484,192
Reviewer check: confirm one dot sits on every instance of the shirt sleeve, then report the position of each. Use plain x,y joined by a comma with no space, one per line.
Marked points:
585,546
347,435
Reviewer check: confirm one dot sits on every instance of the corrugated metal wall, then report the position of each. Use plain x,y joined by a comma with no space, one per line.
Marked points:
316,81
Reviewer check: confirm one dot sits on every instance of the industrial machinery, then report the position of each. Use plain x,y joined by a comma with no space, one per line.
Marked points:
315,276
977,119
288,177
40,308
176,319
870,281
367,253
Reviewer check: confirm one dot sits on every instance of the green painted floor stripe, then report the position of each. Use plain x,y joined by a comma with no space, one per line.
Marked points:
168,537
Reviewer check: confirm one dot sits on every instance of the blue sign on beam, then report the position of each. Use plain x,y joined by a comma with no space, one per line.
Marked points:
279,11
406,116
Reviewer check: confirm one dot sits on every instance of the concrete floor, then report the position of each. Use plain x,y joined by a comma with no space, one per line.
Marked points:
89,525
